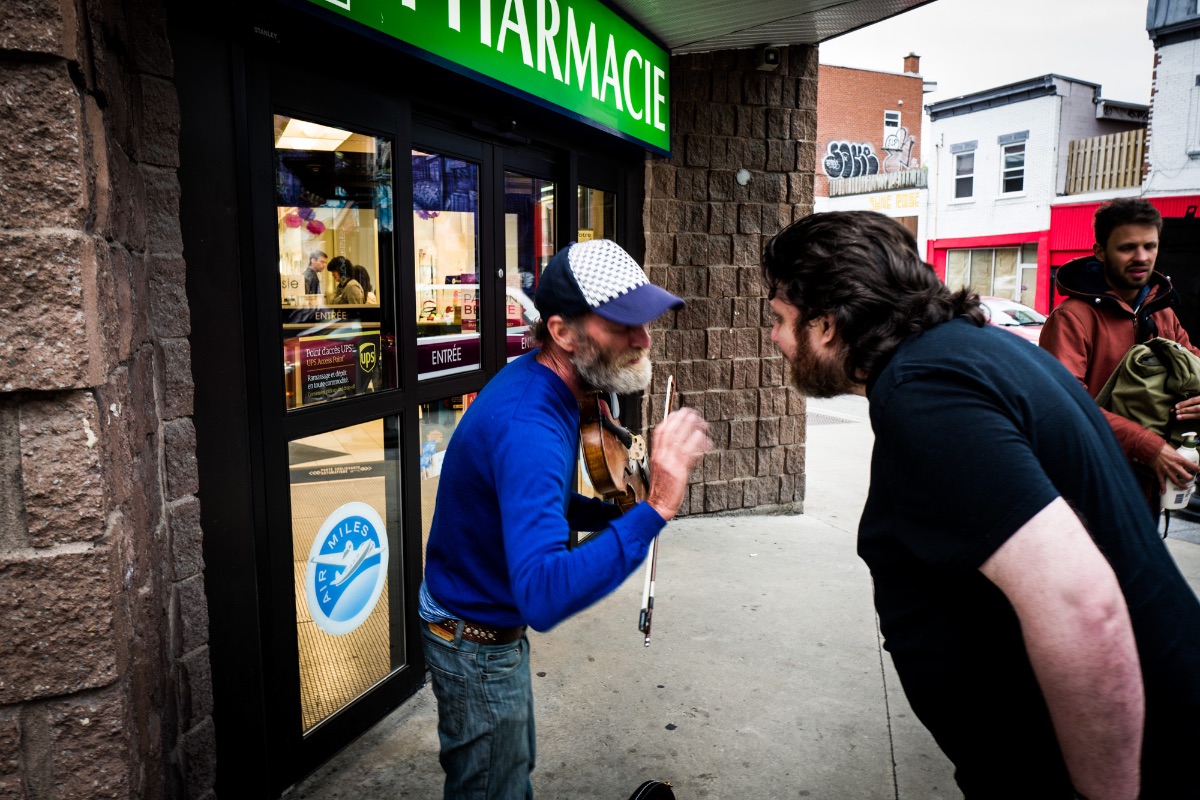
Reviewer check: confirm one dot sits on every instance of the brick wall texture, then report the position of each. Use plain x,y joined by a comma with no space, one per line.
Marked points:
99,526
704,238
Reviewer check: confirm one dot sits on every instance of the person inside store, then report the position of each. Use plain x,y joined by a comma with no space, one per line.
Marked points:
498,560
1116,299
347,291
317,261
1039,626
363,276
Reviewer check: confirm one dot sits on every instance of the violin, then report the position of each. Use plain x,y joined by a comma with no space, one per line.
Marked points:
615,457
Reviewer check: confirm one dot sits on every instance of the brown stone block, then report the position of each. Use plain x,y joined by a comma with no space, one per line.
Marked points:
57,616
789,430
41,27
156,121
179,446
772,402
163,233
771,459
747,249
662,180
187,538
53,341
10,755
788,92
745,373
190,613
704,117
695,315
693,344
195,688
755,156
768,432
716,496
745,342
62,480
721,187
720,313
767,488
772,372
698,149
722,281
89,746
720,373
722,218
177,378
806,157
749,218
750,284
793,463
806,95
797,403
743,433
778,123
41,148
660,248
691,249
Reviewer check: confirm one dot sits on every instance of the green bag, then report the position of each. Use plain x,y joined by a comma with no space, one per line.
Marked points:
1150,379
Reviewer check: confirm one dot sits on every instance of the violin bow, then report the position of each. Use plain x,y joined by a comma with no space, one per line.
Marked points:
647,611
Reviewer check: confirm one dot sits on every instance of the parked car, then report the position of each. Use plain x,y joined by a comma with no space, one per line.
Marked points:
1012,316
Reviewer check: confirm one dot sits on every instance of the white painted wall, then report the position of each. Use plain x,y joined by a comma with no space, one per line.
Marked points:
1175,122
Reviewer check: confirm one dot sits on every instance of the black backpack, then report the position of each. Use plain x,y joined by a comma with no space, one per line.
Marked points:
653,790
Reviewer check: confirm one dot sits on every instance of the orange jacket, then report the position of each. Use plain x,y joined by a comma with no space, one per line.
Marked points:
1093,329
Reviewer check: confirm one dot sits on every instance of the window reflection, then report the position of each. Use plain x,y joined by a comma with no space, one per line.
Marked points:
446,235
597,214
334,222
529,244
438,421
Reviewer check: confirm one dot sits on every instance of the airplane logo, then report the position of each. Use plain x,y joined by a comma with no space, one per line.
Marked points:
349,560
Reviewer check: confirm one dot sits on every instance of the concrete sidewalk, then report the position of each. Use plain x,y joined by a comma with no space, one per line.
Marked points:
765,677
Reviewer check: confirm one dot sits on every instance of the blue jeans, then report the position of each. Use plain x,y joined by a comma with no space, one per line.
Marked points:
485,717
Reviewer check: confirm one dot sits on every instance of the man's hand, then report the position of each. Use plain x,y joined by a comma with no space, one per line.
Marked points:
1188,410
1169,465
1080,643
675,446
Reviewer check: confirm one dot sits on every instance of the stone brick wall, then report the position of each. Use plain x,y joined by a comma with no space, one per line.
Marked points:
104,677
704,236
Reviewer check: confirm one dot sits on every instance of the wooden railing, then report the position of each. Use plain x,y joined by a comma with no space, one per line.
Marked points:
1106,162
880,182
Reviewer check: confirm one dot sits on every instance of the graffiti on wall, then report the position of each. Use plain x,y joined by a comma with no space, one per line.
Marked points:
850,159
845,159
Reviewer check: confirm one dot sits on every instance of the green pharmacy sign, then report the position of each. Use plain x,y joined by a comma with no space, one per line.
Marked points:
577,56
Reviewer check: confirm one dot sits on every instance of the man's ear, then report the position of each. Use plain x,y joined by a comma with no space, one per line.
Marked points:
827,328
1098,252
561,333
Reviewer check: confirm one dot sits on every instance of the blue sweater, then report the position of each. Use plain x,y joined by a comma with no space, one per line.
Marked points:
497,551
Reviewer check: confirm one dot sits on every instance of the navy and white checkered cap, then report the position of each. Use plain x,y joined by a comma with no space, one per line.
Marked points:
599,276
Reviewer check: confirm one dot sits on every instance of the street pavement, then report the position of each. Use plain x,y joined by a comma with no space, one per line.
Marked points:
765,676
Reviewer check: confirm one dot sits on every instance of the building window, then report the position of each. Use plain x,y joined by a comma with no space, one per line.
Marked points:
1013,177
891,130
964,175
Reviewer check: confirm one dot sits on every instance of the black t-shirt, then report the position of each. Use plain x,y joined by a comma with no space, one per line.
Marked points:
976,431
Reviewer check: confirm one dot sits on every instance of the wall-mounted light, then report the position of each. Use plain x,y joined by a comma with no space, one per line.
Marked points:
766,57
742,176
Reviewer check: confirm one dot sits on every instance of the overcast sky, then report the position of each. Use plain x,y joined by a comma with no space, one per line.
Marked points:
970,45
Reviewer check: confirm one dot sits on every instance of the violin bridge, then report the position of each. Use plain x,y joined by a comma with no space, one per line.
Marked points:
637,450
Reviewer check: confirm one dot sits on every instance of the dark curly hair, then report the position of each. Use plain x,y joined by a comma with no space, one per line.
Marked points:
1124,211
863,268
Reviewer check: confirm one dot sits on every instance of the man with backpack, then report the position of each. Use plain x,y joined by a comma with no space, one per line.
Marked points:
1115,300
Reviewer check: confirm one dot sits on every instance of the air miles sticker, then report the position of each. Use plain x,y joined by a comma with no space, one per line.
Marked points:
347,566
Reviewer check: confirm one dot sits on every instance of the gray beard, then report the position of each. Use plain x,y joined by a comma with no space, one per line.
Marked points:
605,376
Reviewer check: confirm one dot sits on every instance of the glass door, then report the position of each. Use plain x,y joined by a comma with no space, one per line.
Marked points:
333,219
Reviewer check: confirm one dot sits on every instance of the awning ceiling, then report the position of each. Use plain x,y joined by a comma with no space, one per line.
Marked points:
695,26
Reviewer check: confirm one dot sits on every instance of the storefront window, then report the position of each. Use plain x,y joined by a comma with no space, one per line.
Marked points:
446,233
529,244
345,538
597,214
438,421
334,221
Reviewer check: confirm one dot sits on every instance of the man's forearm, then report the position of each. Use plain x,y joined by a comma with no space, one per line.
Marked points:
1087,666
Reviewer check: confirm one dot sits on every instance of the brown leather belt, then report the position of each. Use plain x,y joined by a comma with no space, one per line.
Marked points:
474,632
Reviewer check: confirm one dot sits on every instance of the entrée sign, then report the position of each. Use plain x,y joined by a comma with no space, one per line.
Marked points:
575,55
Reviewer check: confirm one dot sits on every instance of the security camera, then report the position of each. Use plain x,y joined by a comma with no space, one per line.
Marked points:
766,57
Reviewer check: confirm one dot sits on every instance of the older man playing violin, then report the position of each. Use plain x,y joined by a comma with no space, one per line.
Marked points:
498,557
